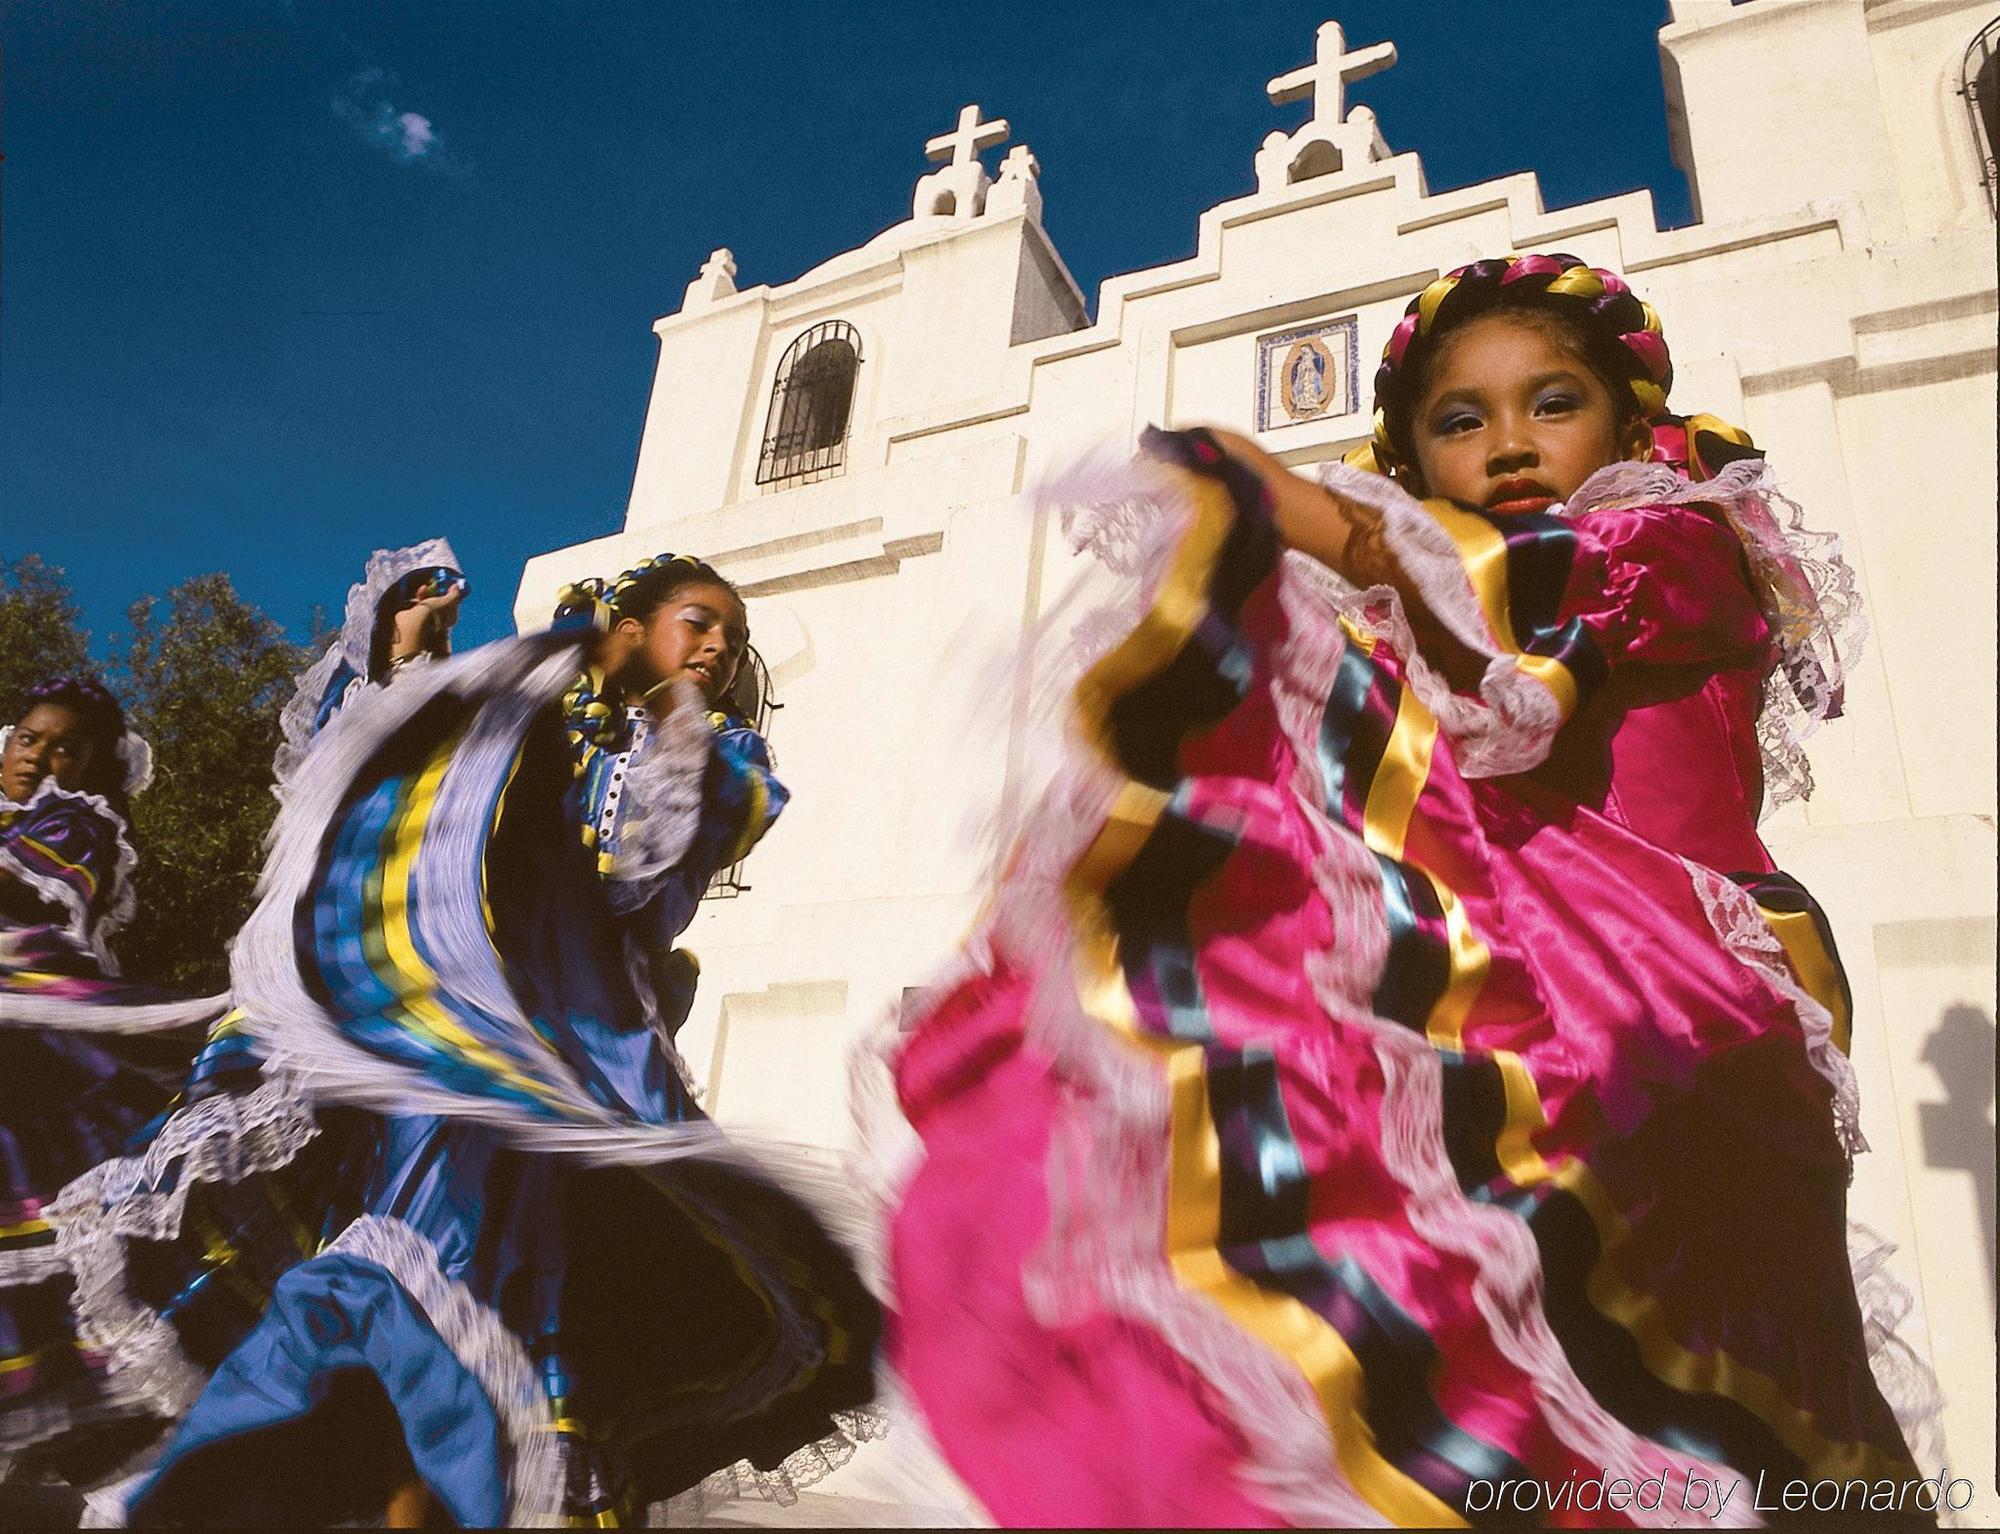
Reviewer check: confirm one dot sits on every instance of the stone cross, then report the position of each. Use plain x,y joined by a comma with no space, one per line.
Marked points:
716,282
1325,78
1016,189
961,146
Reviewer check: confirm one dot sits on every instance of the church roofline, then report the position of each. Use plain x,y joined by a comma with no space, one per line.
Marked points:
1643,246
848,275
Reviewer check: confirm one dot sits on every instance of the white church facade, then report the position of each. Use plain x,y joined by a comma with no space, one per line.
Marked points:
850,448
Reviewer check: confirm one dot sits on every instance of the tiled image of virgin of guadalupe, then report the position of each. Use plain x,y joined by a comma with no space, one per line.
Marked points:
178,1236
562,1293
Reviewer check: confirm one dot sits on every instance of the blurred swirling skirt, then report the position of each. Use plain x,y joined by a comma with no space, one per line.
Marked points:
1316,1136
72,1094
540,1283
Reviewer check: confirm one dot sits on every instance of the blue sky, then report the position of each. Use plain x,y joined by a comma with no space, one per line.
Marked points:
285,282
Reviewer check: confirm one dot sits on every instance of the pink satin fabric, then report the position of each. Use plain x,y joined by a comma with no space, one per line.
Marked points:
1674,1072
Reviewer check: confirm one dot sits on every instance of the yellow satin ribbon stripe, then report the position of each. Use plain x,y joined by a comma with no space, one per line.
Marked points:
89,877
1279,1322
1169,622
1483,553
1399,782
1815,967
414,982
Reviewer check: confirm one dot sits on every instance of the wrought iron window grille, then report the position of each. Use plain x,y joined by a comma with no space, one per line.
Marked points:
1979,84
812,400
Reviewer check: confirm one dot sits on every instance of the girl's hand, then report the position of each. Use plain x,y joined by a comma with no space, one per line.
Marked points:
421,627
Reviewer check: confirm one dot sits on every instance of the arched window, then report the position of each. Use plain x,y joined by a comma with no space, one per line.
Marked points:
750,698
1979,84
811,399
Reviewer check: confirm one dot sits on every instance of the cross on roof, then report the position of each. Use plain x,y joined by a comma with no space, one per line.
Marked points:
963,143
1326,77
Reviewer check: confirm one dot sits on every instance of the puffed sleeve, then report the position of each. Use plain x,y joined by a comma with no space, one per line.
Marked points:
1574,597
664,819
741,797
1666,585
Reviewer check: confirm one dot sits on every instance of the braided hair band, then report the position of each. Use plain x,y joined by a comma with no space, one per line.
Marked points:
1620,332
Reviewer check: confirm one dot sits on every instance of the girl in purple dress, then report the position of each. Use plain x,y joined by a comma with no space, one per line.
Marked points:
81,1063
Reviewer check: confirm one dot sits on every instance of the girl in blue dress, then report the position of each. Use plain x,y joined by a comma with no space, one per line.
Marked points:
564,1295
177,1241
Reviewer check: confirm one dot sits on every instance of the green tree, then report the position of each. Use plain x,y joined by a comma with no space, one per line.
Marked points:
41,631
207,679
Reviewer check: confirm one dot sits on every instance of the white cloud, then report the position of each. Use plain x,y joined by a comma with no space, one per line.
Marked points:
408,137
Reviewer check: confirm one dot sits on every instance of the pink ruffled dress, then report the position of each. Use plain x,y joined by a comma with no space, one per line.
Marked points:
1387,1092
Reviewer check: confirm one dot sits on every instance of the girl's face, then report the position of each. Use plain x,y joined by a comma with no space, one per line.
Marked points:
1512,420
49,742
698,634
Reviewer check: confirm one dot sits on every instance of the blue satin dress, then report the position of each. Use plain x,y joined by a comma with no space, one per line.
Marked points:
545,1308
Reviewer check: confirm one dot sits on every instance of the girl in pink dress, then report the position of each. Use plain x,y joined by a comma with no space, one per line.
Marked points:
1392,1083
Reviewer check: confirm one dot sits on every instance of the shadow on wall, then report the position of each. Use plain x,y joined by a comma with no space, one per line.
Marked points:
1957,1133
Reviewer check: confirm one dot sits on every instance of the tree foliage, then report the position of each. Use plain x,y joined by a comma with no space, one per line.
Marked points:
41,631
206,675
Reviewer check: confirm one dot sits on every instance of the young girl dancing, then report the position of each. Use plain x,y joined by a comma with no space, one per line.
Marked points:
1392,1083
76,1077
176,1243
564,1295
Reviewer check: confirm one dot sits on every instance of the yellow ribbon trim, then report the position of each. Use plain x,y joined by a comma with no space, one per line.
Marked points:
1815,967
416,983
1194,1196
1483,553
57,858
1482,550
1167,625
1399,783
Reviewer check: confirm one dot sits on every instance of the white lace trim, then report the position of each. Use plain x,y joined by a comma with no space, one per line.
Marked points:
136,752
1902,1374
1748,936
35,1265
492,1354
124,901
1805,588
221,1139
357,632
25,1010
802,1468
